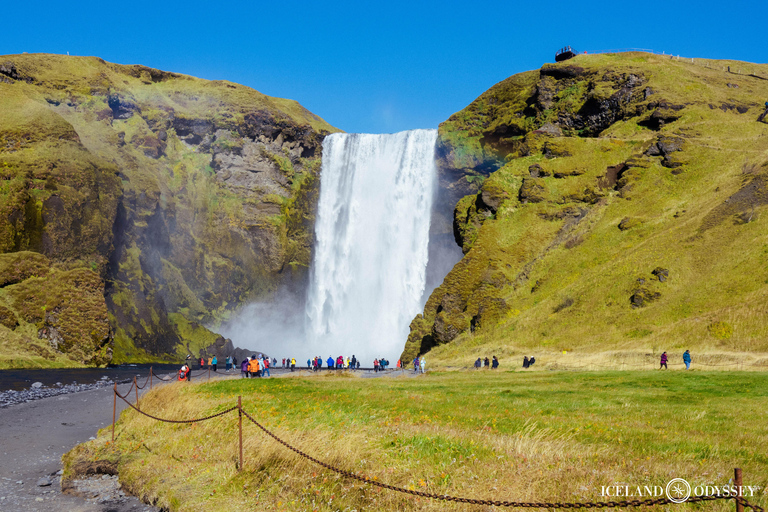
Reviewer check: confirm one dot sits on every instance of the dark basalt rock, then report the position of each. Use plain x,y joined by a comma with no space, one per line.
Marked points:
628,223
643,296
122,107
665,147
662,274
559,71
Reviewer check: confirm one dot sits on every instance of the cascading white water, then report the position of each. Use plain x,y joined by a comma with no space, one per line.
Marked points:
372,235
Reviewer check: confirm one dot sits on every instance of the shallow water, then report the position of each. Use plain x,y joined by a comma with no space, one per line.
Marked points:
23,379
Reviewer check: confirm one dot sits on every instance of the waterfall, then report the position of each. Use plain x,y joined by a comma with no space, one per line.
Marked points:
372,234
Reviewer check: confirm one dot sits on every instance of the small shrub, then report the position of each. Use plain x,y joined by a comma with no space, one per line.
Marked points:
720,330
567,302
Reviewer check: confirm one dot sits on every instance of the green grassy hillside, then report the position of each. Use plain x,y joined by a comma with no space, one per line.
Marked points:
625,211
183,197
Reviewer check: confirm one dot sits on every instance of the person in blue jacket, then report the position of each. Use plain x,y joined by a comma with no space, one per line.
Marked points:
330,362
687,359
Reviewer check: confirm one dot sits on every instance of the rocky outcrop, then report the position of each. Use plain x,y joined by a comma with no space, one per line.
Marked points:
184,198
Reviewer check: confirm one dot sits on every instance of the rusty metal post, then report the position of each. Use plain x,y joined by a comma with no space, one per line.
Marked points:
137,393
150,378
240,427
737,482
209,372
114,409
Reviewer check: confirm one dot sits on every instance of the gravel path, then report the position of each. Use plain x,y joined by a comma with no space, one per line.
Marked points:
36,434
37,426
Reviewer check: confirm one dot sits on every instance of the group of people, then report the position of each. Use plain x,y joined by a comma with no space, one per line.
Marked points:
419,364
686,359
256,366
212,361
480,363
350,363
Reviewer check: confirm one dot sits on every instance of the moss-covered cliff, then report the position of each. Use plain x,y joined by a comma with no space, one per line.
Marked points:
137,205
622,205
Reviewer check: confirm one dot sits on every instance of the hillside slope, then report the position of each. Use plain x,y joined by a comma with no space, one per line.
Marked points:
137,205
624,208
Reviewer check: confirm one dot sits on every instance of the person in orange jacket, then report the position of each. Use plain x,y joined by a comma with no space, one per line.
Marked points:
253,367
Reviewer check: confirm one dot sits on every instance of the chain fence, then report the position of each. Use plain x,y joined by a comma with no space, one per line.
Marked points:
741,502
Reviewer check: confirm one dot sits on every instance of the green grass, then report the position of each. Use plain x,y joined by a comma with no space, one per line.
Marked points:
500,435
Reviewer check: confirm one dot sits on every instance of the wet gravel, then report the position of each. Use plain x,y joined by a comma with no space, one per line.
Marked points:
38,391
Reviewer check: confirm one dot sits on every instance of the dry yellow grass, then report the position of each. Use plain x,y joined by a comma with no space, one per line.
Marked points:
490,435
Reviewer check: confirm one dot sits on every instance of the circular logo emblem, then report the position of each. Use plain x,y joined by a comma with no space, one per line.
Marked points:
678,490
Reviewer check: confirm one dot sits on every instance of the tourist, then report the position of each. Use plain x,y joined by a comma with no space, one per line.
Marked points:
416,364
330,362
375,365
234,363
183,372
478,363
487,363
274,361
214,363
202,363
293,363
397,365
531,361
228,363
244,368
663,361
687,359
423,363
495,363
358,364
253,367
266,372
354,362
526,363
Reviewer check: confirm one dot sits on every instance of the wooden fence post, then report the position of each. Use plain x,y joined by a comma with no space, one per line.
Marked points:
114,409
240,427
150,378
137,393
737,482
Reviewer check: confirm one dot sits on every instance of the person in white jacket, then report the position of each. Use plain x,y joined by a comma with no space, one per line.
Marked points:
423,363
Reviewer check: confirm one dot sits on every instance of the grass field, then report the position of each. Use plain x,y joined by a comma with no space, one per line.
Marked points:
492,435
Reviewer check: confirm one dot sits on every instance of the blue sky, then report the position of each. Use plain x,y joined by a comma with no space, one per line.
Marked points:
377,67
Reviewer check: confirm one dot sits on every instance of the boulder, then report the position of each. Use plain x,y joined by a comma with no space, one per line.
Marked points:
533,190
643,296
662,274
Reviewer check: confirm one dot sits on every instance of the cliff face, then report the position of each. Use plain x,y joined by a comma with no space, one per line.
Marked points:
160,200
622,206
